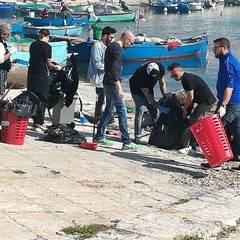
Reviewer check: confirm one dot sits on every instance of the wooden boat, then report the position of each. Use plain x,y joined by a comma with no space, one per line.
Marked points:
195,6
153,50
163,6
166,6
119,16
8,8
20,59
31,31
18,27
32,7
37,21
197,61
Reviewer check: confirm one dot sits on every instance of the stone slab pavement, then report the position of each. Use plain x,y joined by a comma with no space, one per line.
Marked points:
151,194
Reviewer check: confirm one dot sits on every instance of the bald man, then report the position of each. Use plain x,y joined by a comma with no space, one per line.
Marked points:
114,92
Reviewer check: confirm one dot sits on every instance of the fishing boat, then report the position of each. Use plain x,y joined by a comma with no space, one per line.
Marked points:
32,31
166,6
105,16
155,49
195,5
197,61
37,21
8,8
18,27
24,7
20,59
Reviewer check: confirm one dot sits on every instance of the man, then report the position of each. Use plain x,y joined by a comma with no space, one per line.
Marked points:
64,10
44,13
96,67
198,93
228,87
96,29
5,54
141,87
37,79
114,92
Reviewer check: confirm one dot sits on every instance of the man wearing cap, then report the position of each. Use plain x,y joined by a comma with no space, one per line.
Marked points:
5,54
141,86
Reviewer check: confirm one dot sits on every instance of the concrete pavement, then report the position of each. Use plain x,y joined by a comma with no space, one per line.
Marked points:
152,194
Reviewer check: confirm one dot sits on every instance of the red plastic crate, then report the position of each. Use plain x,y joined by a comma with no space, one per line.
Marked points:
211,137
14,128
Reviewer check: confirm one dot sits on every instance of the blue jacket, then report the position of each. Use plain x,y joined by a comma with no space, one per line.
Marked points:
229,76
96,64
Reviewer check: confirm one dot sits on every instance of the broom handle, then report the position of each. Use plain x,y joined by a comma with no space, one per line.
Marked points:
5,94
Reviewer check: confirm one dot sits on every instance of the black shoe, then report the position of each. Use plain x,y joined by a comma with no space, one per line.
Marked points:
235,169
207,166
137,140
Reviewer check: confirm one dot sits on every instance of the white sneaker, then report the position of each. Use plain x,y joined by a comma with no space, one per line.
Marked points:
39,128
187,151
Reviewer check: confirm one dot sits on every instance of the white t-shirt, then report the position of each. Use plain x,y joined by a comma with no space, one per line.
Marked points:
2,52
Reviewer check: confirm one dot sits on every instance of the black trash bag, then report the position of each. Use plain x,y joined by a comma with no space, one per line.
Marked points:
64,84
169,127
64,133
24,105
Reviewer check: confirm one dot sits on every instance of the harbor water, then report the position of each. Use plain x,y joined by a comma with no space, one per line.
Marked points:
218,22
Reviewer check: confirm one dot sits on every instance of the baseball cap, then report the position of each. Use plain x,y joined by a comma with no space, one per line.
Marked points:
152,68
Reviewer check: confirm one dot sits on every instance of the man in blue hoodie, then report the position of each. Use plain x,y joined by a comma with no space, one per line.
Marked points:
228,87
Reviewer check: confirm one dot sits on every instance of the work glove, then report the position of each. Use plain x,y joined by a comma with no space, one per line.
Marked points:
57,68
221,111
163,109
13,49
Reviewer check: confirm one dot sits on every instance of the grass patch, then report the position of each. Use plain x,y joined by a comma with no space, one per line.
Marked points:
187,238
226,231
19,172
87,231
181,201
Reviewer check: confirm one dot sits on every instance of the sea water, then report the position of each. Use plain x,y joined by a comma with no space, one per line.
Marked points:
218,22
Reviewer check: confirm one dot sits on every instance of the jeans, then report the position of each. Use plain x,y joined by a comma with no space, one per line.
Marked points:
112,100
232,120
140,103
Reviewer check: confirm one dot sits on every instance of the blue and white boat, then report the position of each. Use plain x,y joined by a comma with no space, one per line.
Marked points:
8,8
18,27
153,50
32,31
37,21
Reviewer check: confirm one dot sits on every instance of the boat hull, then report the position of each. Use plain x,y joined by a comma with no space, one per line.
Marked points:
30,31
8,8
55,21
110,17
18,27
148,51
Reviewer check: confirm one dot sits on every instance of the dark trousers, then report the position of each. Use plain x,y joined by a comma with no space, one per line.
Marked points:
99,103
198,113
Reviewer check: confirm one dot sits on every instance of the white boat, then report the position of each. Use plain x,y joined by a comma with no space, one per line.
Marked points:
195,6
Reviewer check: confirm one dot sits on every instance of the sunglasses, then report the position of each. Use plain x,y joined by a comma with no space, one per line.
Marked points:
131,42
174,76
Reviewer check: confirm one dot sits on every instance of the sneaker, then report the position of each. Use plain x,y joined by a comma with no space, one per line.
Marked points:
103,141
130,146
187,151
39,127
235,169
207,166
137,140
